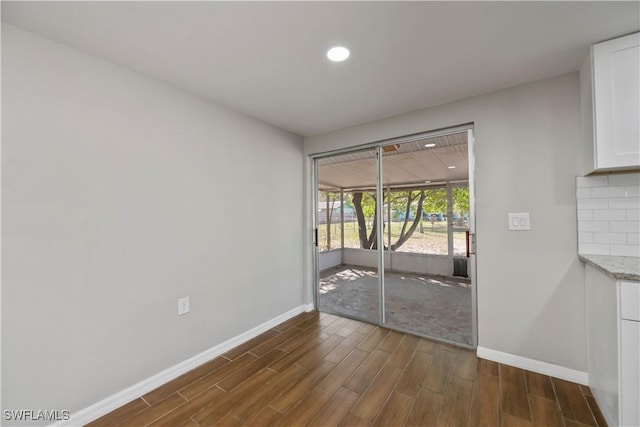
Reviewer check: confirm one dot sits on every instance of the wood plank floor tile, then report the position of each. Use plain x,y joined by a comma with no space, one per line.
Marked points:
367,371
316,354
311,321
586,390
571,423
390,341
294,321
275,341
485,401
377,393
395,411
487,367
283,381
572,402
403,353
372,341
366,328
457,399
305,410
545,412
334,381
182,414
229,420
335,326
413,376
319,369
513,392
154,412
121,414
225,404
293,395
266,417
345,347
335,409
247,346
301,339
448,347
426,409
540,385
465,365
352,420
438,374
508,420
427,346
349,328
209,380
187,422
325,322
595,410
294,355
244,373
178,383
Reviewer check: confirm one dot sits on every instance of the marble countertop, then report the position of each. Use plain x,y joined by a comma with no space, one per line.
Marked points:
618,267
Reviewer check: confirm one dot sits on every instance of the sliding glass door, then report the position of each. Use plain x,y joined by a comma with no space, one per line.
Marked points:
393,236
347,239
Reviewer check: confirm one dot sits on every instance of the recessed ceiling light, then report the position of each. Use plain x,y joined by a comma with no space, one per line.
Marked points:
429,145
338,53
426,182
451,167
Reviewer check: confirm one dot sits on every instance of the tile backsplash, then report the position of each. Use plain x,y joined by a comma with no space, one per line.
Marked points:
609,214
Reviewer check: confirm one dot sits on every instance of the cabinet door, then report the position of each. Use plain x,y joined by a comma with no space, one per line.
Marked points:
629,373
616,84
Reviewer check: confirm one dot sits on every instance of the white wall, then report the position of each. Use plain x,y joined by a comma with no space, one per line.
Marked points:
530,284
439,265
121,194
329,259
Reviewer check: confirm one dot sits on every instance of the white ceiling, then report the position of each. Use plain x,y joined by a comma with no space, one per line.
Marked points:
267,59
410,164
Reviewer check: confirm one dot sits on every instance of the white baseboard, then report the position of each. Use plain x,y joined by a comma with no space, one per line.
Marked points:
95,411
309,307
533,365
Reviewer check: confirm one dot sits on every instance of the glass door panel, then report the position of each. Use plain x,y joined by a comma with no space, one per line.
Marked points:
392,225
346,222
426,223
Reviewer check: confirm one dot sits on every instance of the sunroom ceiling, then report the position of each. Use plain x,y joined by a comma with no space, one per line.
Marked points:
411,164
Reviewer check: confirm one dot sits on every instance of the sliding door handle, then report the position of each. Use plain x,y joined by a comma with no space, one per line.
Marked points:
471,244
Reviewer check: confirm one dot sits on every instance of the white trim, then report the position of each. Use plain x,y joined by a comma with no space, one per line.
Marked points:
95,411
532,365
309,307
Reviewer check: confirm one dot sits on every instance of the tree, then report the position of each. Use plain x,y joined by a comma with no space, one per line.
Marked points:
365,206
460,196
409,202
436,201
405,233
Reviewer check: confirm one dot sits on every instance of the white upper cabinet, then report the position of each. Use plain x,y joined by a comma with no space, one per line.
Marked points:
610,82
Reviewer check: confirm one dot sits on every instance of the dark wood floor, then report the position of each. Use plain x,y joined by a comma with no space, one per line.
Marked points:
323,370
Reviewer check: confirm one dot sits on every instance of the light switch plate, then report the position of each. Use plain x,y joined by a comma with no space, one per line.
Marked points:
183,306
519,221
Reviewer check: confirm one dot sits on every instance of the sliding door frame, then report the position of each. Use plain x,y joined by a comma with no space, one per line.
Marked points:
380,234
380,219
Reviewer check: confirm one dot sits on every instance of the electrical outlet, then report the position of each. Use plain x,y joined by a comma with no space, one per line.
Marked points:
183,306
